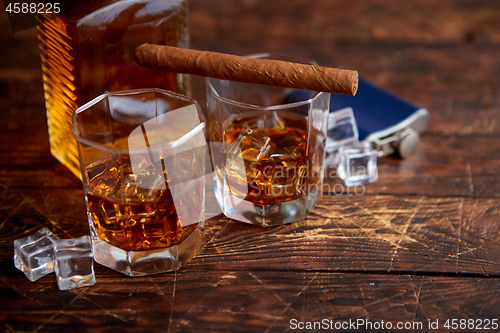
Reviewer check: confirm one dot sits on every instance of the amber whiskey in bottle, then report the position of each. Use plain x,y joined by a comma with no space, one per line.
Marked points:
89,51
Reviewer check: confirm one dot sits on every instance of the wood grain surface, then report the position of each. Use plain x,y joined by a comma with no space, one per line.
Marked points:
421,245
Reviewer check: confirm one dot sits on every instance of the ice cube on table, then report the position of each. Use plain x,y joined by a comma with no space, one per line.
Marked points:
332,158
358,164
33,255
74,263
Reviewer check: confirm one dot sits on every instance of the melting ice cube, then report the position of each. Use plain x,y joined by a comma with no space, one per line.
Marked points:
251,144
140,188
269,121
74,263
33,255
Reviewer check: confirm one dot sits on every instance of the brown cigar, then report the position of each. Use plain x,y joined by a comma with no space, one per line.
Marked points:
245,69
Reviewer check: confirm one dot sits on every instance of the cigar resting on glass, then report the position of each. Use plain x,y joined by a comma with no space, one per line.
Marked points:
246,69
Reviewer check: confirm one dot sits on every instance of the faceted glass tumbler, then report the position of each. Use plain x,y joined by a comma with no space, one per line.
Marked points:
33,255
74,264
142,154
267,154
358,164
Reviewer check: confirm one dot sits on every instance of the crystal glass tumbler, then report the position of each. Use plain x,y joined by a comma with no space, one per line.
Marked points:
142,155
267,154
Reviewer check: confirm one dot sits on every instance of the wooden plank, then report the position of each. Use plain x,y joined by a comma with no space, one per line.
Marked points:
242,300
287,296
368,233
333,22
441,166
345,233
480,222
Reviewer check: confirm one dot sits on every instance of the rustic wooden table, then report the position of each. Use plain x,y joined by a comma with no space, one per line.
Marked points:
420,247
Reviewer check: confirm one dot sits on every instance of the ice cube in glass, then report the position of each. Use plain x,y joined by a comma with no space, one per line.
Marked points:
33,255
74,263
251,144
270,121
358,164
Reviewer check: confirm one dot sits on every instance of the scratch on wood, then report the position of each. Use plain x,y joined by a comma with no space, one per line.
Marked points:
272,291
417,297
215,235
229,276
294,299
471,179
159,290
48,213
461,241
478,261
403,234
350,245
214,287
82,294
173,302
382,304
460,234
403,298
386,237
55,315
